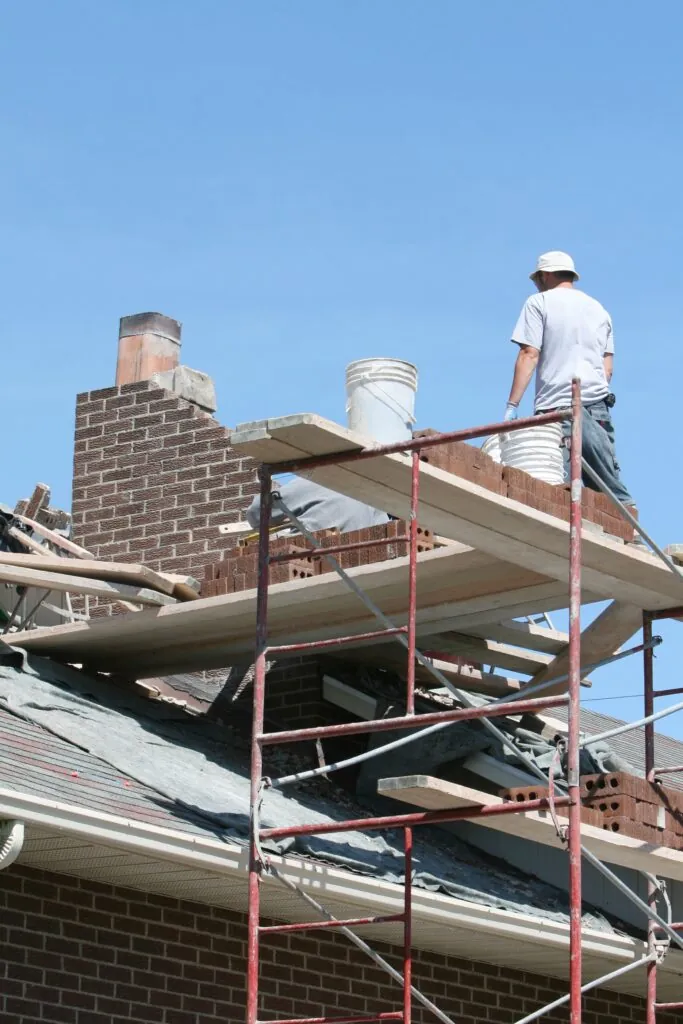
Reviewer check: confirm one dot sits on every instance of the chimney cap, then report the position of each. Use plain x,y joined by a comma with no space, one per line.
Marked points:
150,323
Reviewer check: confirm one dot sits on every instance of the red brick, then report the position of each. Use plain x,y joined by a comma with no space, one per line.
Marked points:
595,787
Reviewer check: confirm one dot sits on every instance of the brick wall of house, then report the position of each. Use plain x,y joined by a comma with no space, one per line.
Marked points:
79,952
154,476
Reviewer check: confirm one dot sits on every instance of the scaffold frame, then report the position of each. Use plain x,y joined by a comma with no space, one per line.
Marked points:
259,865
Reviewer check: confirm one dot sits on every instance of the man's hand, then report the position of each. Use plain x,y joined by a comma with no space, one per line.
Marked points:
527,358
511,412
608,363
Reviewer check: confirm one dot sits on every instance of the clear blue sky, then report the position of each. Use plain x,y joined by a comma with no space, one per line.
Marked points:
305,183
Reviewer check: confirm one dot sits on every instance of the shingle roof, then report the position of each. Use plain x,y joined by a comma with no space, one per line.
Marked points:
44,765
631,745
205,786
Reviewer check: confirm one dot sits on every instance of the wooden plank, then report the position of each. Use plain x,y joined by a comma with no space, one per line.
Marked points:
54,538
524,634
20,576
185,588
537,826
44,551
473,680
28,542
455,585
490,652
605,635
115,572
454,507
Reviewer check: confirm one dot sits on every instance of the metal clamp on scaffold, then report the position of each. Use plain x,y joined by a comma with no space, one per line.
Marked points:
261,857
560,750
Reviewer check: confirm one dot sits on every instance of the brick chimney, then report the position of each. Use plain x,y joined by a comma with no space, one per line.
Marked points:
154,473
149,343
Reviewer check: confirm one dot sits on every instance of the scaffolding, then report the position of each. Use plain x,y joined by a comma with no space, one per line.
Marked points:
661,932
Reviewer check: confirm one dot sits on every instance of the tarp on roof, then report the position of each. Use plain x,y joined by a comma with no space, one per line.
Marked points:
191,763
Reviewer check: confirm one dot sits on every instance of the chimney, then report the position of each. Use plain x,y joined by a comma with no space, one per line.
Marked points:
149,343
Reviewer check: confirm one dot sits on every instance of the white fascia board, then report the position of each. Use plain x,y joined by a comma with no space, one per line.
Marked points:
349,698
499,772
322,880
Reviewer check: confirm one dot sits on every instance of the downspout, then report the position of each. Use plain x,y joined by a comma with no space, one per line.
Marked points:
11,842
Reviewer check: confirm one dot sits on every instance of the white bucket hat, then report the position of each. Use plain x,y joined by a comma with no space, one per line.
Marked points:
553,261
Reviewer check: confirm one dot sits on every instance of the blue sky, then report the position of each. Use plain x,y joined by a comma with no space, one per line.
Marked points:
305,183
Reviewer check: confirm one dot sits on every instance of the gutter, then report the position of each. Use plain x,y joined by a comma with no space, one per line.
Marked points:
377,896
11,842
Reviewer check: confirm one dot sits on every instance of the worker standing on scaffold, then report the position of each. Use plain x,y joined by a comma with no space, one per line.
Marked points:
563,333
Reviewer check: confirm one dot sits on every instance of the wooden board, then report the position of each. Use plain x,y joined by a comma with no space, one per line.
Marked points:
393,657
605,635
455,585
454,507
20,576
537,826
53,537
115,572
490,652
524,634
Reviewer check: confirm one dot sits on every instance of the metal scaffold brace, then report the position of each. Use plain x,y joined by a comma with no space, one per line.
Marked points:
261,866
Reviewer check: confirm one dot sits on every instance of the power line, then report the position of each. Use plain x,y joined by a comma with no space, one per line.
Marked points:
618,696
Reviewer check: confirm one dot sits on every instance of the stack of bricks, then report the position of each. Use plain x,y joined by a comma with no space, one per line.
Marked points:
473,464
624,804
238,571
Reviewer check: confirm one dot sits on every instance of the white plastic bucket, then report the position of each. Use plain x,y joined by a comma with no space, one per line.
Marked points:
380,398
537,451
491,446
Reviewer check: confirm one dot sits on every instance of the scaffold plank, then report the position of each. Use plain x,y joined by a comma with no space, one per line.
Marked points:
23,577
453,507
524,634
456,585
437,794
93,568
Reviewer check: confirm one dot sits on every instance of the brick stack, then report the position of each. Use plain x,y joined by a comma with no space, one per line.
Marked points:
622,803
238,570
471,463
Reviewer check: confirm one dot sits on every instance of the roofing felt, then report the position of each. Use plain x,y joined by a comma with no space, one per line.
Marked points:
153,762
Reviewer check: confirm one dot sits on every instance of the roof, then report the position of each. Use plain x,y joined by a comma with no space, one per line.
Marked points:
157,763
42,764
631,745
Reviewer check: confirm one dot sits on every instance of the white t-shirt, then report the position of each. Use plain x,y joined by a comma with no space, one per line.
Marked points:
573,333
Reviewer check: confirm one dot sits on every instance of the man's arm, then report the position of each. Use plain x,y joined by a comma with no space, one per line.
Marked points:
528,334
608,363
525,364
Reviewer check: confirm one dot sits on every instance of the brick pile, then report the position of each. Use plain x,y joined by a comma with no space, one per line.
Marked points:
471,463
238,571
625,804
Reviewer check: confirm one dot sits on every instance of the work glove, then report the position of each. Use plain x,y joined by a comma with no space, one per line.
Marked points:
511,412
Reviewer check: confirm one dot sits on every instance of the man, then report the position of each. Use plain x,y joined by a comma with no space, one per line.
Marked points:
563,333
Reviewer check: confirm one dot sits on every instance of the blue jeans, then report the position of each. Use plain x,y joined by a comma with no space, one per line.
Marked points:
598,450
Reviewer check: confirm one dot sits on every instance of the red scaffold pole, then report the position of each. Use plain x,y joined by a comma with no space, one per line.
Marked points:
412,583
256,748
407,925
648,709
575,477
